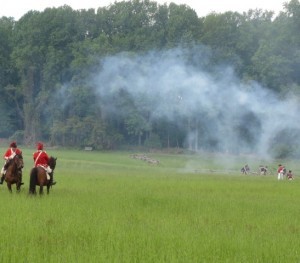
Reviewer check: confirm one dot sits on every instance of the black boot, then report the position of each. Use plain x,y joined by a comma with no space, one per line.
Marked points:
21,181
20,174
52,182
2,178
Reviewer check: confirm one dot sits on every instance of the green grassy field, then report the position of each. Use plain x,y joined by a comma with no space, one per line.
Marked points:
109,207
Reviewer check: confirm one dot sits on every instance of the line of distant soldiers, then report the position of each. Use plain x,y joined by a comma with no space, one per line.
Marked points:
263,170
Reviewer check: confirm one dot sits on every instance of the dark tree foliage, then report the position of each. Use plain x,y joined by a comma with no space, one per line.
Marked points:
48,60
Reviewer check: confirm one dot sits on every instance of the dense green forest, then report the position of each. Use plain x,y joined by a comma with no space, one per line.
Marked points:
137,73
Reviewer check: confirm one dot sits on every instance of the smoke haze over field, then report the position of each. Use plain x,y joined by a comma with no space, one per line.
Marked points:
224,114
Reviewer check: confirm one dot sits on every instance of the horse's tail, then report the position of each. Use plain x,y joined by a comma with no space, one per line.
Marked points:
33,180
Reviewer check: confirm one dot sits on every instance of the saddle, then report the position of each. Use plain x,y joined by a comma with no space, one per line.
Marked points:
48,176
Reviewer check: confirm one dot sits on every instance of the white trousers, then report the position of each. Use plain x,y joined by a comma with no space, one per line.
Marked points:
280,176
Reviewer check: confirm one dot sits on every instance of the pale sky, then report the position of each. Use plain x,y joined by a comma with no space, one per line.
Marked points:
17,8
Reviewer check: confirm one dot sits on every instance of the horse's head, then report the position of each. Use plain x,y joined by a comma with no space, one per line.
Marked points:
52,162
18,159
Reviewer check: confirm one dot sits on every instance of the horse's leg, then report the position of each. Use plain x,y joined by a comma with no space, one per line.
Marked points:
41,190
18,185
9,187
48,187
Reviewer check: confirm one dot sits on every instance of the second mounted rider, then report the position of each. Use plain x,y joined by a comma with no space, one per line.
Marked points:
41,159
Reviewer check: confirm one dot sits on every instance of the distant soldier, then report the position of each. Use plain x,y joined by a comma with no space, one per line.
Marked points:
245,169
280,172
263,170
289,175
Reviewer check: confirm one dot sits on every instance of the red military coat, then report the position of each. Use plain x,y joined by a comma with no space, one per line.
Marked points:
40,158
10,152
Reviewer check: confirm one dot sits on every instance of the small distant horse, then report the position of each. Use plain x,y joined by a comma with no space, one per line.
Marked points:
38,177
14,172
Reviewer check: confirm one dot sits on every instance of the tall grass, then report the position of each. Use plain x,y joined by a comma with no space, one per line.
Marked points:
108,207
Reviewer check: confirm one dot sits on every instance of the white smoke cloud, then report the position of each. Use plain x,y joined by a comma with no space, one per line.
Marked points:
222,108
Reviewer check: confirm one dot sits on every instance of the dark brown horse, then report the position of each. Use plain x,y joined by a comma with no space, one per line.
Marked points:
38,177
14,172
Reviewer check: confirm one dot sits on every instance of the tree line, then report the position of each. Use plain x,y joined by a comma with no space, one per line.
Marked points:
47,59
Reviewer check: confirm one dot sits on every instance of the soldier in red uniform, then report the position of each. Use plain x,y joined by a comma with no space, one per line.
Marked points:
41,159
280,172
10,153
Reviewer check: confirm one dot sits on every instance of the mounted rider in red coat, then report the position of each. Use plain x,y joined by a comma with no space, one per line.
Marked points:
41,159
10,153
